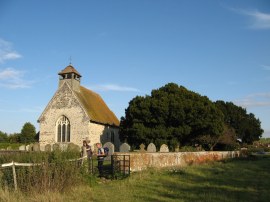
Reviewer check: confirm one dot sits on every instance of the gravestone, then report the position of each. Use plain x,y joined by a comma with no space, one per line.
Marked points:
30,148
151,148
56,147
73,147
164,148
27,147
36,147
48,148
124,147
177,148
142,148
111,149
22,148
63,146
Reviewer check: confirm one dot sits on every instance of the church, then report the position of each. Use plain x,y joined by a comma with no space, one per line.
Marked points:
76,113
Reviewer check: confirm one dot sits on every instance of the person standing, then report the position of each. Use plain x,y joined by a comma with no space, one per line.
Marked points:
100,158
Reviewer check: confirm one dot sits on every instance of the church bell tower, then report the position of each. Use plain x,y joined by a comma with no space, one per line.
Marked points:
70,75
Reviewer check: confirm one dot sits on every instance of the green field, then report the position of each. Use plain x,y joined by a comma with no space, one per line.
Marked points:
232,180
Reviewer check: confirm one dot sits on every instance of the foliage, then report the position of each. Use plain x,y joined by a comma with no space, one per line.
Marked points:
54,173
172,115
227,181
3,137
264,140
14,138
13,146
28,133
246,126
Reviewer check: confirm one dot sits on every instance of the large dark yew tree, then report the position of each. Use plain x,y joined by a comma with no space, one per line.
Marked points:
246,126
172,115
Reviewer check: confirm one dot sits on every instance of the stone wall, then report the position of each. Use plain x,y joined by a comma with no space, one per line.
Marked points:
63,103
142,160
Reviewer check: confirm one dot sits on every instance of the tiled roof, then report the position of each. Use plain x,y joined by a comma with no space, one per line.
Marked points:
69,69
96,108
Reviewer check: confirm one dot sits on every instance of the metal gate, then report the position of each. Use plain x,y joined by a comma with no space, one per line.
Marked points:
120,165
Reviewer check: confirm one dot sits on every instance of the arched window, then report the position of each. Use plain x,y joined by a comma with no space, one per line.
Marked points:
63,129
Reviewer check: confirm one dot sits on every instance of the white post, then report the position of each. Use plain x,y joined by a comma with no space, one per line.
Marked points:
14,176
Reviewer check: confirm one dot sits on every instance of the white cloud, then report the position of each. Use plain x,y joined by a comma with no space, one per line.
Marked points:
13,79
258,20
113,87
6,51
254,100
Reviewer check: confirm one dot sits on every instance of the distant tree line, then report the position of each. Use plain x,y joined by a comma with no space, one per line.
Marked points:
28,134
175,116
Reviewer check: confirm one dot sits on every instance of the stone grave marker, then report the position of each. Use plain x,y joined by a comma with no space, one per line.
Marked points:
22,148
151,148
73,147
164,148
56,147
48,148
124,147
111,149
31,147
142,148
36,147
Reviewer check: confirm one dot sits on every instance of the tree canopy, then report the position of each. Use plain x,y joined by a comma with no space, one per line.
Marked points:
172,115
28,133
246,126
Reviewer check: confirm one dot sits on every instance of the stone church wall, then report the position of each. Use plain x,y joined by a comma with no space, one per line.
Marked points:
102,133
64,103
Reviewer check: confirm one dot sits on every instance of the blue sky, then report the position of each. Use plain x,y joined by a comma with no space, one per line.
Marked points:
124,48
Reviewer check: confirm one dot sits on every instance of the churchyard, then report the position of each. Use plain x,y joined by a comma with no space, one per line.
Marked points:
242,179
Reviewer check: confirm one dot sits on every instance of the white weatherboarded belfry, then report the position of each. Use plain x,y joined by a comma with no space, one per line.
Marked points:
76,113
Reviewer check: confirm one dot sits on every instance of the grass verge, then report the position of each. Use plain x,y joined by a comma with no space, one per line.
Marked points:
233,180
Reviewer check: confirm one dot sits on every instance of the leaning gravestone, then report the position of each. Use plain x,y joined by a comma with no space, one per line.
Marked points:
36,147
124,147
164,148
111,149
48,148
22,148
151,148
142,148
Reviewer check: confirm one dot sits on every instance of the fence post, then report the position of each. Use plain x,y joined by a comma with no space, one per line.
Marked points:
14,175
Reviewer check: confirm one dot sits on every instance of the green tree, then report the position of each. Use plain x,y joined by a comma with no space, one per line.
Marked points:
14,138
3,137
171,115
246,126
28,133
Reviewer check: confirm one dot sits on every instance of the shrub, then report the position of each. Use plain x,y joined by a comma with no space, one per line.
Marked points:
54,171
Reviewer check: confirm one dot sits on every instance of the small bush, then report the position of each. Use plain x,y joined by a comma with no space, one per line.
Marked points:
188,149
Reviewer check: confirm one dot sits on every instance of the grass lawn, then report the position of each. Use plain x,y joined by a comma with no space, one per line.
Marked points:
233,180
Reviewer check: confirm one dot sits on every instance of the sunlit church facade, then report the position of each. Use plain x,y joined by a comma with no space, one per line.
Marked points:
76,113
